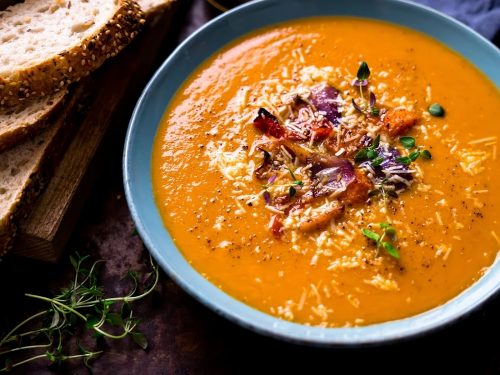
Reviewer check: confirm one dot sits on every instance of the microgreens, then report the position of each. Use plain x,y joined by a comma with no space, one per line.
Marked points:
82,305
362,81
370,153
388,231
409,143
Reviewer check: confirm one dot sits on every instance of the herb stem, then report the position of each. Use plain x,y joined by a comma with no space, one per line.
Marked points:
115,337
7,337
56,302
26,347
5,369
135,298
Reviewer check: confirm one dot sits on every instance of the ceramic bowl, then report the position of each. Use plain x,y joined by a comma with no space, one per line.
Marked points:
184,60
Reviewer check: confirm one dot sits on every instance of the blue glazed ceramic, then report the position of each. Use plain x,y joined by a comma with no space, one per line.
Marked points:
173,72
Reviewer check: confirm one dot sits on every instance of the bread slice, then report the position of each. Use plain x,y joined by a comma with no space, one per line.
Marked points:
30,116
22,171
45,45
27,119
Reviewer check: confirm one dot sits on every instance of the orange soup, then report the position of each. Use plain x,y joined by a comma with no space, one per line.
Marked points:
333,171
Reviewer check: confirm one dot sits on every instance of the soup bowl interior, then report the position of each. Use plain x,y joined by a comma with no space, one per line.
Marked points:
178,67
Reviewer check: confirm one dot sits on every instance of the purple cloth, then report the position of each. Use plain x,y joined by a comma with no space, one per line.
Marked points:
481,15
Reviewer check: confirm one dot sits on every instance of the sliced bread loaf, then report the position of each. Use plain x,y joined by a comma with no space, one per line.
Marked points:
22,167
22,171
47,44
27,119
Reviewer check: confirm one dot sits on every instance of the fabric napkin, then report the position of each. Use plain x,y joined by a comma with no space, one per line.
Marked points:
481,15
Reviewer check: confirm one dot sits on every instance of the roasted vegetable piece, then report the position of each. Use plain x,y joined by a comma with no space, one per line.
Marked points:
398,121
268,124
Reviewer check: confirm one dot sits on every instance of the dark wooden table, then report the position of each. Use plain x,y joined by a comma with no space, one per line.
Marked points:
185,337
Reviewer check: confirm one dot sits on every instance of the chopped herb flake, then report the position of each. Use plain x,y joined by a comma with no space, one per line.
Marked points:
407,142
377,161
405,160
414,155
426,154
371,154
436,110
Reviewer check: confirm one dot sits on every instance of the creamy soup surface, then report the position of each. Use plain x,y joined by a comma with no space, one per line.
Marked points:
333,171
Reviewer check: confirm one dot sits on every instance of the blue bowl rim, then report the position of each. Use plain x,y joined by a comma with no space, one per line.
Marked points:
386,332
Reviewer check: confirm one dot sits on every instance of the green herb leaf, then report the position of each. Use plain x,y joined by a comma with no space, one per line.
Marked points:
114,319
405,160
373,192
376,142
55,319
363,71
371,154
140,340
391,249
375,111
436,110
361,155
407,142
388,230
73,262
298,183
377,161
414,155
426,154
292,191
91,321
371,235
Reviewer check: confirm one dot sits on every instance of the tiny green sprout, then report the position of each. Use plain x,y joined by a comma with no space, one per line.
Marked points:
388,231
363,71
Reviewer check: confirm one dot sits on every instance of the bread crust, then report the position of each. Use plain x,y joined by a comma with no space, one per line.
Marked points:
27,129
57,72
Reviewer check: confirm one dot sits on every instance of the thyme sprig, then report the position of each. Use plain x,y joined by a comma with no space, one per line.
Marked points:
409,144
83,305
